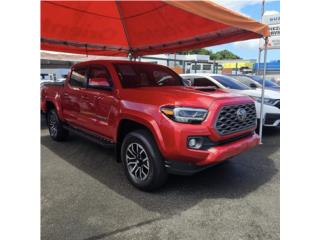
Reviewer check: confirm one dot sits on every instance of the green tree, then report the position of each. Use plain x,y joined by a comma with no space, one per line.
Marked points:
224,54
220,55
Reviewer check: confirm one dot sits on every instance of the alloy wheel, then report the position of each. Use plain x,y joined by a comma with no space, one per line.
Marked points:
137,161
52,124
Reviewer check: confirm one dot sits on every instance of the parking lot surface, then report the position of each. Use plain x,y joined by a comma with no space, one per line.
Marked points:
85,195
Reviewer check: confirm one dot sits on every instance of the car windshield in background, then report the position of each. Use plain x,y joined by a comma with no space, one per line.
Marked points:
268,83
145,75
229,82
246,81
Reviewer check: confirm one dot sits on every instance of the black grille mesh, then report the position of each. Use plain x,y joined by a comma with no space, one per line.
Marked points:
228,122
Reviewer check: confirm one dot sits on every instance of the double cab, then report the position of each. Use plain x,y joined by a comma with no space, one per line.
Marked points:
156,124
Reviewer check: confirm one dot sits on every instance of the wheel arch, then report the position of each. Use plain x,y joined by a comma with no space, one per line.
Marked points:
130,124
49,104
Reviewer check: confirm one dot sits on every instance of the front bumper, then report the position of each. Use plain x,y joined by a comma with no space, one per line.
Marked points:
272,120
214,156
271,115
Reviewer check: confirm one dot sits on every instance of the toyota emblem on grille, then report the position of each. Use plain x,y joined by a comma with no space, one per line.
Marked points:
241,114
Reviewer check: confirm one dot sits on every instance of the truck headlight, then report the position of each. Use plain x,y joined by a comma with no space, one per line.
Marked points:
268,101
185,114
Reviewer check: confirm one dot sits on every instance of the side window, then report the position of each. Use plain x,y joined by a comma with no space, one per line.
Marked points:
187,80
193,67
78,77
163,78
244,81
206,67
203,82
99,77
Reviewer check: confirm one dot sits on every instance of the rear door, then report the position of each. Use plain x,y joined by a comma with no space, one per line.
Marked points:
71,95
98,100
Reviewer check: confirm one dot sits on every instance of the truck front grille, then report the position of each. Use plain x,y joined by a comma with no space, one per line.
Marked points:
231,120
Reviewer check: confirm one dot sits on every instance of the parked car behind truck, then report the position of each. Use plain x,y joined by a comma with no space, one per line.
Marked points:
271,99
157,125
268,83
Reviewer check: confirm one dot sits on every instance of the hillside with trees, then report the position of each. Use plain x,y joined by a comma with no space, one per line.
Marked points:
220,55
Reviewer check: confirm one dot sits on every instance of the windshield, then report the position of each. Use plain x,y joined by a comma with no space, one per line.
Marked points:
247,81
146,75
229,82
268,83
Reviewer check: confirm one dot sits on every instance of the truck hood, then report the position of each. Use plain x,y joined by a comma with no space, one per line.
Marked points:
257,93
178,96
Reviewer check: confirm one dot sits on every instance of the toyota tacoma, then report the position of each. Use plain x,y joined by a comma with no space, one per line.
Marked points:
156,124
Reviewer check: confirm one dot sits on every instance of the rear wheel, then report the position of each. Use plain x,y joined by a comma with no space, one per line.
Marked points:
56,130
142,161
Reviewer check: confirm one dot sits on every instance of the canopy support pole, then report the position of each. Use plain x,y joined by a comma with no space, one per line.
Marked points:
259,58
263,86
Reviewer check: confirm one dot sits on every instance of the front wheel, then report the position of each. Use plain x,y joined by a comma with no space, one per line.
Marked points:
142,161
56,130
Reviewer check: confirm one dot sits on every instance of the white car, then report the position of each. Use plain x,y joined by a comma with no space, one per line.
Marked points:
44,81
271,108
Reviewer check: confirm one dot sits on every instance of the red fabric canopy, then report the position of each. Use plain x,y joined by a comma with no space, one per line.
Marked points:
117,28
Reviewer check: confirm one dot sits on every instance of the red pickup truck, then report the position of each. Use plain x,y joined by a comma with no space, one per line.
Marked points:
157,125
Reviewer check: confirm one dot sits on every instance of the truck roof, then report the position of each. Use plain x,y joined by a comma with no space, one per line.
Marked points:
112,61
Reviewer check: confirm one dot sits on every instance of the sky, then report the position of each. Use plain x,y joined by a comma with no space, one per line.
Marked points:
251,8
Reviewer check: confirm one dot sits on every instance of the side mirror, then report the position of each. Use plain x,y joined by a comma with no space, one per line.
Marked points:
187,82
99,82
252,85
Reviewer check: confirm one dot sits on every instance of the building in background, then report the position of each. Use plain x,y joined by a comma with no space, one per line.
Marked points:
197,63
272,70
234,66
57,65
182,63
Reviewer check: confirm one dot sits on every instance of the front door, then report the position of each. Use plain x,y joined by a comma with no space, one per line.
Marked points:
97,100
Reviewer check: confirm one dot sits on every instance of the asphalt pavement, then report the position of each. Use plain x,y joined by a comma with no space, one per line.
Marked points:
85,195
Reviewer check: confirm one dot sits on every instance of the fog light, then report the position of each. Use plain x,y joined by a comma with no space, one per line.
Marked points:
195,142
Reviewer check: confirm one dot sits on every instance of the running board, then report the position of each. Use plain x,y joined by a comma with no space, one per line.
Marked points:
91,136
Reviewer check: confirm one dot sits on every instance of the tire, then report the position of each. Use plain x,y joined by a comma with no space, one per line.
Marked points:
55,126
142,161
258,127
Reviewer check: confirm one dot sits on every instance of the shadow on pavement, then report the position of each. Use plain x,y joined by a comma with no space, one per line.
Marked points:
234,179
43,122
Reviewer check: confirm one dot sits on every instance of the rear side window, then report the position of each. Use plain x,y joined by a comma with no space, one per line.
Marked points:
202,82
78,77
